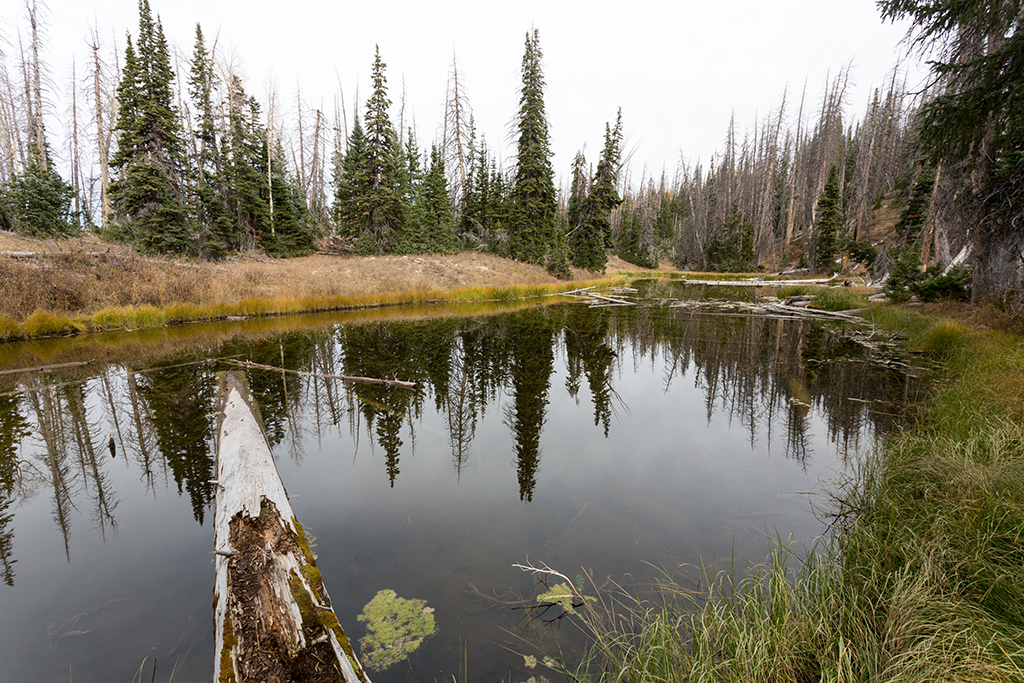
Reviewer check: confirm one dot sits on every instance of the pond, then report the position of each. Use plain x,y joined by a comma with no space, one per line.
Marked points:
611,443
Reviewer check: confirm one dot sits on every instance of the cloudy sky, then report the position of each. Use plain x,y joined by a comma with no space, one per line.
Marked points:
678,69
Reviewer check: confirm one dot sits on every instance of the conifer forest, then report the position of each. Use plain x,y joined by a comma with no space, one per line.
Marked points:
175,156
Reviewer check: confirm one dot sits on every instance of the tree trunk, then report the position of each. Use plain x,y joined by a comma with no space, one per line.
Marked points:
273,617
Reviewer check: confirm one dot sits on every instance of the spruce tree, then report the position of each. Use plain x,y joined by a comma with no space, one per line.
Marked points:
534,200
915,215
147,196
410,237
245,171
976,125
215,236
294,232
830,223
594,235
348,195
437,207
380,209
38,202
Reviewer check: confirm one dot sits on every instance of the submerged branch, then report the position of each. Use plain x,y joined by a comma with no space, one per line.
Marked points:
344,378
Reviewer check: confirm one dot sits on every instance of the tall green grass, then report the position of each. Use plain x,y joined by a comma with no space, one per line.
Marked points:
922,581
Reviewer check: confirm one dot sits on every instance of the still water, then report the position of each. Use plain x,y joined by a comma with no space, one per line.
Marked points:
610,443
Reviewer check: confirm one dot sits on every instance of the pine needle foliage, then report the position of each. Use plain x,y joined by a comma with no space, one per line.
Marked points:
534,199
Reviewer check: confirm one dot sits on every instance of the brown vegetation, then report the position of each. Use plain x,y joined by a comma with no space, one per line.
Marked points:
85,276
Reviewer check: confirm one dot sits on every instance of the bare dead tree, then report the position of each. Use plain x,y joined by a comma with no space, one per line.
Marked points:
457,134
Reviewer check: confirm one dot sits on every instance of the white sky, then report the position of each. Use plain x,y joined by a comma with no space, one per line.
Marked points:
679,70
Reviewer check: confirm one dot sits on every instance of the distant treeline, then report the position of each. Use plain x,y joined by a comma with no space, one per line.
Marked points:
189,163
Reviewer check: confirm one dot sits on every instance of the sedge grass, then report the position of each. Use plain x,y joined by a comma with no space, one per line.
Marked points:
838,299
43,323
923,580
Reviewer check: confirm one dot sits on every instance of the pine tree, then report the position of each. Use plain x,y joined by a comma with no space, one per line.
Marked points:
380,208
38,202
215,236
594,235
348,184
534,200
147,196
437,207
830,223
976,126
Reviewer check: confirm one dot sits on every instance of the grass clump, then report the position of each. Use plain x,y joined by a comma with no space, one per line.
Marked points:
838,299
9,328
47,324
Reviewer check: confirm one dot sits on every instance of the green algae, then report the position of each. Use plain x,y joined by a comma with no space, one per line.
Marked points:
395,628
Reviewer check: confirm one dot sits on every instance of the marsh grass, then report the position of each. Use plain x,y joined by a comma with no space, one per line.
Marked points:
837,299
922,578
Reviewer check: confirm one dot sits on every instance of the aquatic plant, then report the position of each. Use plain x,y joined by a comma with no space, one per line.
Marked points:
395,628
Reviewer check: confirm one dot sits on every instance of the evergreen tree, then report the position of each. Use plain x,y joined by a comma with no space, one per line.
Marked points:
245,171
830,223
215,234
38,202
534,200
410,237
379,205
733,250
976,125
347,193
632,247
915,215
293,231
147,195
437,207
484,218
594,235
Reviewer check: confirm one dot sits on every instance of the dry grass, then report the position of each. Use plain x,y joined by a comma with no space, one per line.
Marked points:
89,284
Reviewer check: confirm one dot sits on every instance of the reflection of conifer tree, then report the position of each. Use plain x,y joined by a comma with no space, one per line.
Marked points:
530,371
112,409
586,341
388,426
325,389
487,356
6,539
460,408
97,482
181,405
278,393
46,406
13,428
386,350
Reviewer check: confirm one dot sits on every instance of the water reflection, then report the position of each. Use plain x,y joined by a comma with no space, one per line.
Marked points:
587,418
763,373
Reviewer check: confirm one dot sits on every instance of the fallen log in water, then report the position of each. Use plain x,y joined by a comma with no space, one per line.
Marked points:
273,617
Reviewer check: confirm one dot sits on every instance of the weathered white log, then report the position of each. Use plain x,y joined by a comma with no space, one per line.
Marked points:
759,282
273,616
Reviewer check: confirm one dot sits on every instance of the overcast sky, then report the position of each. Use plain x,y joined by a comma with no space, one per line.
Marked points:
679,70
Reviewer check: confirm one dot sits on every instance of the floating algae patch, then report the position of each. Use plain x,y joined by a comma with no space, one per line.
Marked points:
565,597
395,627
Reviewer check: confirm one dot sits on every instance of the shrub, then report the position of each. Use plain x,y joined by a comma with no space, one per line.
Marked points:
952,285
